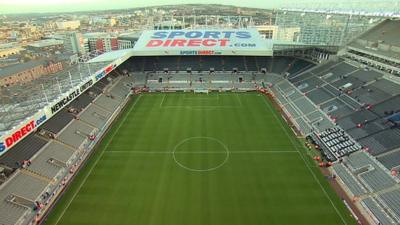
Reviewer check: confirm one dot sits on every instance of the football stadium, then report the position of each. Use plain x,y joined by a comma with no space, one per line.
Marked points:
211,126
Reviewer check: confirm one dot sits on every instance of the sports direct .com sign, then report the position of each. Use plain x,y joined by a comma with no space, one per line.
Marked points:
202,42
21,132
196,38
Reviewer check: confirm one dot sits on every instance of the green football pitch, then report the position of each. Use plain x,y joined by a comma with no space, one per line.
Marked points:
200,159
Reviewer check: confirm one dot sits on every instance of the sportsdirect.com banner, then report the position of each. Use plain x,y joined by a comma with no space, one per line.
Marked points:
202,42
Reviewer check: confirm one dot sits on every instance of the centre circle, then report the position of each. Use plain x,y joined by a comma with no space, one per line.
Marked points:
200,154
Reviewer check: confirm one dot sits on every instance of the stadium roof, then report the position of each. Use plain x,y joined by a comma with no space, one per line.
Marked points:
111,56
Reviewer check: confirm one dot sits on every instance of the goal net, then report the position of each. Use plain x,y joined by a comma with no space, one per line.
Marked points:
201,91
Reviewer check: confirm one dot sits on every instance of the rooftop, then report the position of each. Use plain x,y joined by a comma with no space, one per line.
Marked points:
381,40
387,32
46,43
9,70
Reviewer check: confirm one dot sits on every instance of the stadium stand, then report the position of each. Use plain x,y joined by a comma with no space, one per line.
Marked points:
349,180
24,150
381,217
76,134
51,160
29,98
337,141
18,196
392,199
45,161
58,122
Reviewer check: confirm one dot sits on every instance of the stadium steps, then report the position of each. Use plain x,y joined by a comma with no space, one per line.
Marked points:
380,213
323,103
65,145
20,201
245,63
380,192
43,137
258,66
387,152
306,69
102,107
90,125
109,87
289,66
37,175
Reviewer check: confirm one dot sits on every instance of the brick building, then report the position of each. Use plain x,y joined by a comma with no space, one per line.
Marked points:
26,72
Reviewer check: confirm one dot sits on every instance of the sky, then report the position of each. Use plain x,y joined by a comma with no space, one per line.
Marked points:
28,6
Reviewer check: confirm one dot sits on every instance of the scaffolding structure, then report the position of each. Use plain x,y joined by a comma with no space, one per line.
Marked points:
319,28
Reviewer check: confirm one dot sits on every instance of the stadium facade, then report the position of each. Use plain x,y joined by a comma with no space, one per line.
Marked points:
345,100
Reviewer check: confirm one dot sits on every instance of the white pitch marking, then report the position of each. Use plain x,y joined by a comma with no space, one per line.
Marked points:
162,101
308,166
238,98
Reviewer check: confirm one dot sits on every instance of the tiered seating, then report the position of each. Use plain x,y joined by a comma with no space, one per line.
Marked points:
304,105
278,65
251,64
281,64
349,180
24,186
58,121
370,173
231,62
319,95
149,63
392,200
193,62
338,142
377,179
303,125
352,120
336,108
169,62
382,142
358,160
264,62
123,87
24,150
244,85
139,79
51,160
391,159
95,116
76,134
107,103
298,67
378,212
82,101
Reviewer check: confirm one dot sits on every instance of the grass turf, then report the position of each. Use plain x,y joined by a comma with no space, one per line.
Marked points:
191,159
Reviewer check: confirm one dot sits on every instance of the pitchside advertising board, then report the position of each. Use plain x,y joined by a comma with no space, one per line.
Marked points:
203,42
8,140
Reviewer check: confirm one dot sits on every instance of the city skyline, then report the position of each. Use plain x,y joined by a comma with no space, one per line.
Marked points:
52,6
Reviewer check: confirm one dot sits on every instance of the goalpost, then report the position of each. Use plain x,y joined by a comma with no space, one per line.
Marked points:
201,91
